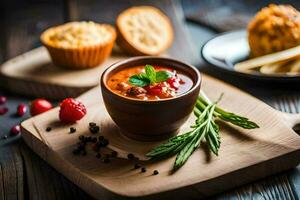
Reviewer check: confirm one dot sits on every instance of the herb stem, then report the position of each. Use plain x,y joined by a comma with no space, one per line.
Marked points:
204,129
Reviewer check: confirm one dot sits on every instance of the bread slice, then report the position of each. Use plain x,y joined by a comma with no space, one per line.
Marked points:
144,30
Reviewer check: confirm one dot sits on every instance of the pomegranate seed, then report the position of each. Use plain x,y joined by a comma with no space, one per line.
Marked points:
3,110
21,110
2,99
15,130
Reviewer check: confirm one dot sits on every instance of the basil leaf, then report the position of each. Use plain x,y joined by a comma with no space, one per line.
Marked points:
150,72
162,76
139,80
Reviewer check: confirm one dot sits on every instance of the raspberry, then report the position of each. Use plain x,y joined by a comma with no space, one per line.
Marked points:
71,110
39,106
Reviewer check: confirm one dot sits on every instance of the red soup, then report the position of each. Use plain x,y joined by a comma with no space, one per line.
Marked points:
149,82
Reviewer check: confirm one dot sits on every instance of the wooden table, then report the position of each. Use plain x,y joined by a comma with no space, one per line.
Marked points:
23,175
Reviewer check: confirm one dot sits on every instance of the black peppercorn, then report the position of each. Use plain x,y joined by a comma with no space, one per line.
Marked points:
130,156
89,139
143,170
155,172
5,137
72,130
81,138
85,139
92,124
104,143
94,129
48,129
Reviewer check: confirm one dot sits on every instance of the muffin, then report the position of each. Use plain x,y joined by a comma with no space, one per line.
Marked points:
274,28
144,30
79,45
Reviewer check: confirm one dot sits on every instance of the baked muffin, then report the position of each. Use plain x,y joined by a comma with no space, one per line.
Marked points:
274,28
144,30
79,45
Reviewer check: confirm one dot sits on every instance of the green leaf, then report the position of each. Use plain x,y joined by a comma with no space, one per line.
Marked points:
150,72
162,76
149,77
139,80
185,153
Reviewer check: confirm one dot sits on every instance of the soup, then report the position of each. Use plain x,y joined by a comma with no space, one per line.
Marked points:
149,82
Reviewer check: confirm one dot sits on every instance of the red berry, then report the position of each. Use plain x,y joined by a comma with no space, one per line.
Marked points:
71,110
21,110
39,106
3,111
2,99
15,130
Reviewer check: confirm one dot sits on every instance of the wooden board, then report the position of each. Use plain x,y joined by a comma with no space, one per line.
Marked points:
245,155
34,74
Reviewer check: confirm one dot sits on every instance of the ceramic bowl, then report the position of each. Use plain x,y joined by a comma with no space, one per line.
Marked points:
150,120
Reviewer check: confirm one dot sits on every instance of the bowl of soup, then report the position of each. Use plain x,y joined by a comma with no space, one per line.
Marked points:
149,98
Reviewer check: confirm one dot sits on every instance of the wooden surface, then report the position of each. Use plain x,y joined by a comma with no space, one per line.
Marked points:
272,148
26,176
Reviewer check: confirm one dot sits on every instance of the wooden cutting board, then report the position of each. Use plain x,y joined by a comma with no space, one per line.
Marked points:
245,155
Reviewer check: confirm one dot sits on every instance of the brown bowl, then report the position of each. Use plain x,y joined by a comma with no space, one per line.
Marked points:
155,119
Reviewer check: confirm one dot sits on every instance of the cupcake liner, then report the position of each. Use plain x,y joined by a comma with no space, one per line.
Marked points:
81,57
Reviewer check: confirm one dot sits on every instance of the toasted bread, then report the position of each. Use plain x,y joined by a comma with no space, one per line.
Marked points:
144,30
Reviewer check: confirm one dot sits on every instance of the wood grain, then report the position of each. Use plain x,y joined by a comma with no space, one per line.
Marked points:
259,155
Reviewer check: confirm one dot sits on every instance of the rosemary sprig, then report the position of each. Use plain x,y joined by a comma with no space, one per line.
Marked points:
204,129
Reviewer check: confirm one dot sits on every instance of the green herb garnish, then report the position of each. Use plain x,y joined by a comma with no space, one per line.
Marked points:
149,77
204,129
